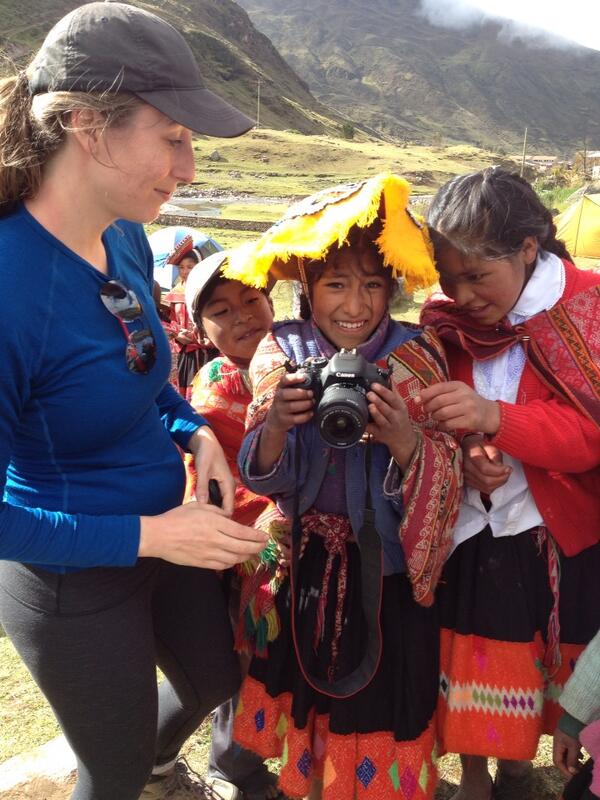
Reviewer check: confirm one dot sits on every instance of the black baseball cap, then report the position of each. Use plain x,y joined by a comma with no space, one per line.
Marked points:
108,46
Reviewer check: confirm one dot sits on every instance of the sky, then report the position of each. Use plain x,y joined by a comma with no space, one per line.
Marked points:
575,20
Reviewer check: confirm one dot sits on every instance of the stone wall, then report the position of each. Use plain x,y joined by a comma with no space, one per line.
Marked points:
195,220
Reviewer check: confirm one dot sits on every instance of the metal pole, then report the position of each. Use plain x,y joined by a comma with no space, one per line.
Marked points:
524,151
258,106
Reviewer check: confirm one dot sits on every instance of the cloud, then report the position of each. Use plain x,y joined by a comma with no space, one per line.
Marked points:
464,14
449,14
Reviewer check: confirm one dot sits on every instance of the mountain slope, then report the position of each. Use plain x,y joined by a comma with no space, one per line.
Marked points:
385,65
233,55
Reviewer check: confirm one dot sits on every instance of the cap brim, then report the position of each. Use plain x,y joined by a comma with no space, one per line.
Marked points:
200,110
200,277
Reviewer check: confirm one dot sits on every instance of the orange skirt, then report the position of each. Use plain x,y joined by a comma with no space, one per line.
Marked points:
496,696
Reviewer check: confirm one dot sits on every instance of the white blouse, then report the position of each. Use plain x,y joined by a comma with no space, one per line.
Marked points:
513,509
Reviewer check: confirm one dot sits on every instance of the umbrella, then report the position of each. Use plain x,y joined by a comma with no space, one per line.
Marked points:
166,241
170,244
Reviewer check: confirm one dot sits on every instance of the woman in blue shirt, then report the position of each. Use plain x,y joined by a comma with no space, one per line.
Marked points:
100,579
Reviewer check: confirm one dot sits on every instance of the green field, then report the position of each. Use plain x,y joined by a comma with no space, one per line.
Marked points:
262,172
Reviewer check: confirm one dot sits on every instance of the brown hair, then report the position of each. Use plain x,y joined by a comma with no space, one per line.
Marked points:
489,214
32,129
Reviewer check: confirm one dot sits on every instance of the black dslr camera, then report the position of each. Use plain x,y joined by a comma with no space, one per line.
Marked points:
340,386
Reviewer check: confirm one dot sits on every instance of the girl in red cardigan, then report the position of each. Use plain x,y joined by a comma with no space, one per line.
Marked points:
521,591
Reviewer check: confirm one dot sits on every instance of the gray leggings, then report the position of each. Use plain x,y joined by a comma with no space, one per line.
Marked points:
92,640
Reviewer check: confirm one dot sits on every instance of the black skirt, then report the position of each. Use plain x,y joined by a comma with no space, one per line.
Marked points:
384,731
188,364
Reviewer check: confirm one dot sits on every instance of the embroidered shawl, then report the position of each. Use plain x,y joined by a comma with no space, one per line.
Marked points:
430,488
562,344
220,394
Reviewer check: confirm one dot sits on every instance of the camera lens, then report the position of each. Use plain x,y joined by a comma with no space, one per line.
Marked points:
342,415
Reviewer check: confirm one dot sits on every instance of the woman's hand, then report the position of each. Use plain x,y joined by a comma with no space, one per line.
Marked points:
198,535
291,406
210,462
566,753
390,424
482,465
455,406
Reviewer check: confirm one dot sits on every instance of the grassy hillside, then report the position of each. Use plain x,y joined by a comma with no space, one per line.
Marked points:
232,54
282,164
382,63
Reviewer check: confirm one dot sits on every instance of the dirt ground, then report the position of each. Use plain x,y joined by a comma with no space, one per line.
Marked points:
546,785
41,789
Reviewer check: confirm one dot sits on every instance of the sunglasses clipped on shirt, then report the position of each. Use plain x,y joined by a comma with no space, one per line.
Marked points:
123,303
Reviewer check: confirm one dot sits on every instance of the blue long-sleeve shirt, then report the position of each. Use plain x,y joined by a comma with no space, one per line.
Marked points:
86,446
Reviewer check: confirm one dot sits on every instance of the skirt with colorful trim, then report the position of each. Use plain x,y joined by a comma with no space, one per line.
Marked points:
496,695
379,743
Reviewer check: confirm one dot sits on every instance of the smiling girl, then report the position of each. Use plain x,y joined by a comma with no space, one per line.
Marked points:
521,595
346,694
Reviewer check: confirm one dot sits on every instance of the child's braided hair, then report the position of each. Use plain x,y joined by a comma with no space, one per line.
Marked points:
489,214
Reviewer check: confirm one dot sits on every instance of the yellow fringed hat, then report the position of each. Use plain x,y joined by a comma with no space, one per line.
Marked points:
312,226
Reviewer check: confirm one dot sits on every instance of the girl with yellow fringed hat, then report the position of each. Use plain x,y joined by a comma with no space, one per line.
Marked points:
346,694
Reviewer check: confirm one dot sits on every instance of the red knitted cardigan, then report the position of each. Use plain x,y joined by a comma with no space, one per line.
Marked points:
557,445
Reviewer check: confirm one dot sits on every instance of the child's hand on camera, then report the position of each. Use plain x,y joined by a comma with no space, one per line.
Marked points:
390,424
291,406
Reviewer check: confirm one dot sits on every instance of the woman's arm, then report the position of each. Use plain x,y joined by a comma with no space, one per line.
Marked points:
39,536
178,416
200,536
191,432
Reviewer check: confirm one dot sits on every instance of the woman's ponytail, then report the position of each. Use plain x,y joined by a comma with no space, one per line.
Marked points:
32,129
20,166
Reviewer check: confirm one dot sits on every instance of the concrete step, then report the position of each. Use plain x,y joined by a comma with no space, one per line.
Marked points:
44,773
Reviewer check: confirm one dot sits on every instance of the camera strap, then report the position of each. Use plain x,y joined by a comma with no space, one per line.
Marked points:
371,575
